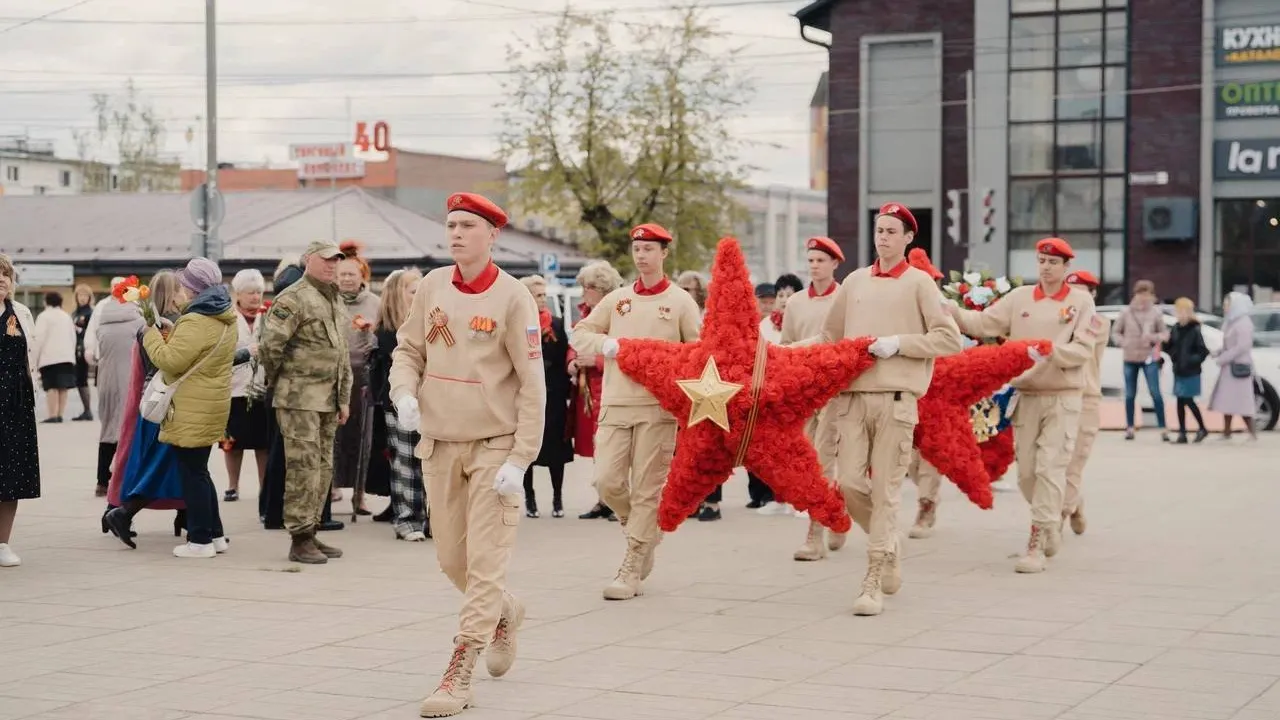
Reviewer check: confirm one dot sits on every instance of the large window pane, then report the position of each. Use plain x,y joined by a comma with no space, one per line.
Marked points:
1113,258
1079,4
1031,149
1030,6
1115,147
1079,203
1113,203
1031,95
1031,205
1117,38
1080,93
1117,3
1115,83
1031,42
1079,147
1080,39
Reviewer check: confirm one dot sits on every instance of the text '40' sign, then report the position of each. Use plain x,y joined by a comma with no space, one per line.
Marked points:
378,139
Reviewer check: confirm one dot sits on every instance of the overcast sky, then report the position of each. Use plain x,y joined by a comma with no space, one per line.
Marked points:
288,67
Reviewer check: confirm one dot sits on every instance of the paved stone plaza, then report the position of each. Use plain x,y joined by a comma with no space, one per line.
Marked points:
1168,608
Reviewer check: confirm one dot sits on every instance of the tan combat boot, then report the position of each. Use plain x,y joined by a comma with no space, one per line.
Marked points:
891,578
1078,523
1052,533
871,599
304,550
925,518
501,654
836,540
626,584
651,552
815,544
1033,561
453,695
328,551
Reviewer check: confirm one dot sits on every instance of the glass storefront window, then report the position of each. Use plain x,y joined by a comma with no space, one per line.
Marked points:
1248,247
1079,201
1113,258
1079,93
1080,39
1031,149
1113,214
1079,4
1114,92
1114,142
1030,6
1031,42
1117,37
1079,147
1030,204
1031,95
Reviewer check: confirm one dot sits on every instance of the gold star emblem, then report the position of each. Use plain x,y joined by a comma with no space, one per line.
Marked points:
710,396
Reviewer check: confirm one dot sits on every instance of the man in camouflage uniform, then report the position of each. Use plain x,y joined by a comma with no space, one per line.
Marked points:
303,341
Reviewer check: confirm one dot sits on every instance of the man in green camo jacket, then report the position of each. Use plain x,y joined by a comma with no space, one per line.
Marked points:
303,353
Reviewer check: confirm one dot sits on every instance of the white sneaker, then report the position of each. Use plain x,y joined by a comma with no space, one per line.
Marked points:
220,544
8,558
415,536
192,550
775,508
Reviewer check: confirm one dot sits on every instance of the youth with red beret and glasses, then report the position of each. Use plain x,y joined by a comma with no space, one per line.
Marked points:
636,438
1090,415
874,419
1046,416
802,325
467,374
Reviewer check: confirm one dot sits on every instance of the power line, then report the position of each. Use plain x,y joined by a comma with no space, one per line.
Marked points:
23,22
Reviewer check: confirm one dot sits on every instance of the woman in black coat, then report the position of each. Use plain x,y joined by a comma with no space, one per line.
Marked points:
557,448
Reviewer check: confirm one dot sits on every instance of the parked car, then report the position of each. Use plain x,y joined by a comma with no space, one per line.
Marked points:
1266,362
1266,324
563,301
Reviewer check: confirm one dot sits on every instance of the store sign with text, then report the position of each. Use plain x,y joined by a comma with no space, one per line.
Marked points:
1248,44
1251,159
1248,99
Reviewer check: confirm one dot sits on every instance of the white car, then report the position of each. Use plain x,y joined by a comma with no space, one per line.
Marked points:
563,301
1266,363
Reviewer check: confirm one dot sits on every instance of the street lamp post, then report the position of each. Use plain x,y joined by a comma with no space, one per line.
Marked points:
212,245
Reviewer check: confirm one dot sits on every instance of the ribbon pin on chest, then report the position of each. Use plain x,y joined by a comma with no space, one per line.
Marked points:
624,307
439,327
664,313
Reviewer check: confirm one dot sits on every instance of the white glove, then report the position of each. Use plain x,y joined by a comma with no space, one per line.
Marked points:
609,348
509,481
885,347
407,414
1034,354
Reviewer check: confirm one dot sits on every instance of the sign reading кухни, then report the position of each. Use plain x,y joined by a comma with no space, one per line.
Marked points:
1248,44
1248,99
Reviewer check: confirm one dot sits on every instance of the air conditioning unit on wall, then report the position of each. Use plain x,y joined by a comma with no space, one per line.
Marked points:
1169,219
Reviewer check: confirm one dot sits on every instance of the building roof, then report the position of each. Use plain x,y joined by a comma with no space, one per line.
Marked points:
816,14
821,92
155,230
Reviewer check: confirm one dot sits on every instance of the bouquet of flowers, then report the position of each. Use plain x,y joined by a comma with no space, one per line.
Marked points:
131,291
976,290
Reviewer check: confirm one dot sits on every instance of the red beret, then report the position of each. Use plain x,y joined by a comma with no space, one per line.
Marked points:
1057,247
651,231
919,259
478,205
1083,277
901,212
826,245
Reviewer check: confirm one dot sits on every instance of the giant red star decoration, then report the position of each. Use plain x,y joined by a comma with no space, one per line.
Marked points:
945,436
795,383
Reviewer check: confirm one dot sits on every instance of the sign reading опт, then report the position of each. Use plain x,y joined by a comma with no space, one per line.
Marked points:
1247,99
1248,44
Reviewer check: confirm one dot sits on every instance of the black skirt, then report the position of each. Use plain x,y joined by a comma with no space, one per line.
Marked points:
58,377
248,425
82,370
19,449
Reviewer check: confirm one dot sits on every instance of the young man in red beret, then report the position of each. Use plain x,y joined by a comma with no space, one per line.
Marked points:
636,438
802,325
1046,416
1090,416
874,420
467,374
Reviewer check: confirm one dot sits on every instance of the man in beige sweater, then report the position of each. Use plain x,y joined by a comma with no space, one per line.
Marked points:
636,438
467,374
1090,414
875,419
802,325
1046,416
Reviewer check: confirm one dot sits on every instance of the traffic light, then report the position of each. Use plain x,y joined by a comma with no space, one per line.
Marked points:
988,215
954,212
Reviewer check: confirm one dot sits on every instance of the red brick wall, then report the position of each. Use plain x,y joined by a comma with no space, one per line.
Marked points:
1164,134
850,20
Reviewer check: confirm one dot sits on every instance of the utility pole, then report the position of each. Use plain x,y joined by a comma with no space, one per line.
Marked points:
212,244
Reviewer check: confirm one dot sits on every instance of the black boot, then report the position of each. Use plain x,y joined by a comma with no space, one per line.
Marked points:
179,523
118,522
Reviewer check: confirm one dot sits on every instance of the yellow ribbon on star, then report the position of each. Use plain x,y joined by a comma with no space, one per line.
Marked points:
710,396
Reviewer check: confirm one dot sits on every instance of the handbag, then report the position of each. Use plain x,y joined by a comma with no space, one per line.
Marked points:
1241,370
157,398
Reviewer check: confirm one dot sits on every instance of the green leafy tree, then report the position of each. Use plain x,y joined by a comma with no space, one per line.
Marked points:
616,124
128,133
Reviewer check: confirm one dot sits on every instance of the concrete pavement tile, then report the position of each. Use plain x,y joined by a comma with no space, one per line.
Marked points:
1150,619
1085,650
74,687
689,640
1235,686
1246,625
997,684
512,695
274,676
750,711
813,696
614,705
928,658
13,708
742,625
969,642
1035,666
295,704
108,710
1254,644
1161,703
1217,660
1177,606
33,610
1007,626
884,677
705,686
779,659
940,706
334,656
729,591
1106,632
585,672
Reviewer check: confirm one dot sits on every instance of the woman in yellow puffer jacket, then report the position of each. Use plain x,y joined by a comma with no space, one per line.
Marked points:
205,334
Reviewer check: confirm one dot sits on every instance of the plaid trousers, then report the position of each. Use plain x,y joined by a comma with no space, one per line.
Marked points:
408,492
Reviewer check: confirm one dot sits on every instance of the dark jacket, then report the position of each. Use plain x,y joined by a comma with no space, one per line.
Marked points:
1186,348
557,445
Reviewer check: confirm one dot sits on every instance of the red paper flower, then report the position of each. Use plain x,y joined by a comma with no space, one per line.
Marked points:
796,383
945,433
266,305
997,453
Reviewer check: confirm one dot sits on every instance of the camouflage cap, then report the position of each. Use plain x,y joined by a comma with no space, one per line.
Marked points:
324,248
